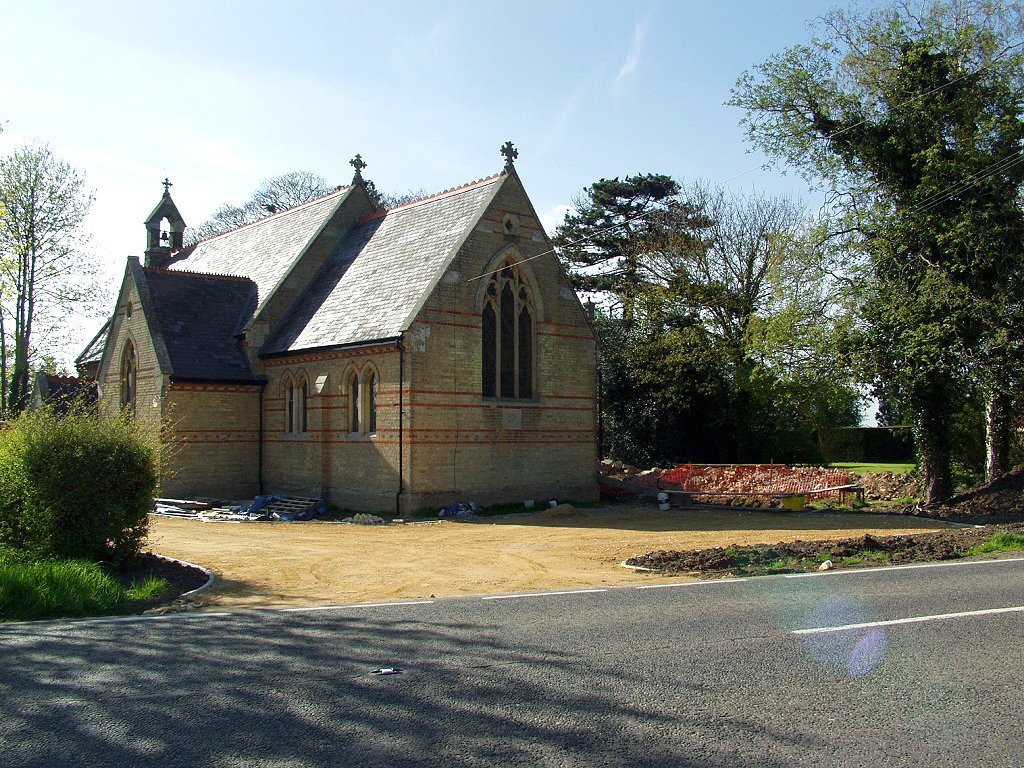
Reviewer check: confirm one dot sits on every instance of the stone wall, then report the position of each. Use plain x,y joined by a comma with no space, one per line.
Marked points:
354,469
211,441
129,326
467,447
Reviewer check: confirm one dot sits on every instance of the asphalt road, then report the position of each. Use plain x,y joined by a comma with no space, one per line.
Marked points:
710,674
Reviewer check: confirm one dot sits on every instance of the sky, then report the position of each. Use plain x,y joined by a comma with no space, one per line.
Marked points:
219,96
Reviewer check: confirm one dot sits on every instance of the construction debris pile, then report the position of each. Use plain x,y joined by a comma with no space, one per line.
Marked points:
460,511
888,486
364,518
262,508
748,485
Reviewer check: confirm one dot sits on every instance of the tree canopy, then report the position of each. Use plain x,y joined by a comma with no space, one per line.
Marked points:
278,194
599,242
716,343
44,270
913,119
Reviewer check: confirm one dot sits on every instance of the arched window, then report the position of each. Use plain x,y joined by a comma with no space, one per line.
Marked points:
129,378
507,334
289,407
370,401
302,423
353,402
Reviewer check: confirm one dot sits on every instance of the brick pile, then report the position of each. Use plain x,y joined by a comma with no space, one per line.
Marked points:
754,479
743,484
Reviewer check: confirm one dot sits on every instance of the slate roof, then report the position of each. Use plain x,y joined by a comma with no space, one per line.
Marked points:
382,271
265,250
93,353
61,392
198,317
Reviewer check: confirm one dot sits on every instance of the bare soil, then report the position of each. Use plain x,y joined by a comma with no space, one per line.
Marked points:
796,556
180,578
318,563
888,486
1001,501
998,505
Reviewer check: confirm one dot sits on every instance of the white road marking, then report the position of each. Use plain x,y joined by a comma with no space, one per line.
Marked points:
690,583
911,620
853,571
543,594
357,605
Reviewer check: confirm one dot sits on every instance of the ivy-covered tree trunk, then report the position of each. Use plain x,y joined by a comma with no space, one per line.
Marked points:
998,426
933,439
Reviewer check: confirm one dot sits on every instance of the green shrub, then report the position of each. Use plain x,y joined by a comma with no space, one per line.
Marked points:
75,486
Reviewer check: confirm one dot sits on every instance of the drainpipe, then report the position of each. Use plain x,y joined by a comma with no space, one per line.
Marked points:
600,413
259,445
401,425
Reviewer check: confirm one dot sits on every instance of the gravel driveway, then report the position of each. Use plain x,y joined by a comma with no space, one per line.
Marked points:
291,564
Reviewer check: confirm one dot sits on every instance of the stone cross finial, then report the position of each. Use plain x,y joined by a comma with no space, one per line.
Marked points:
510,153
167,185
357,163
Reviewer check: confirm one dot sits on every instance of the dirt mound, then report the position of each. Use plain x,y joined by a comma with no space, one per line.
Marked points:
561,512
1001,501
806,555
889,486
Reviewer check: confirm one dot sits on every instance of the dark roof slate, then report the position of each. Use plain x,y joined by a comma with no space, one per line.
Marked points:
63,392
265,250
199,317
383,271
93,353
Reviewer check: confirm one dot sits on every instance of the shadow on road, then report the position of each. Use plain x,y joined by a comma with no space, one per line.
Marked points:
295,689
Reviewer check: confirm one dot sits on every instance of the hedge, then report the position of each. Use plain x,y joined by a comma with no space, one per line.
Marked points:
867,444
75,486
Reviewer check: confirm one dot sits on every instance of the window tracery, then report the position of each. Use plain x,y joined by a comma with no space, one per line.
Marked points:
129,378
507,329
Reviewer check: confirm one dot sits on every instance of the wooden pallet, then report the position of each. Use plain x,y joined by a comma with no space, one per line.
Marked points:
290,505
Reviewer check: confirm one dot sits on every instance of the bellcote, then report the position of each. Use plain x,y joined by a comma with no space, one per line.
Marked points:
161,242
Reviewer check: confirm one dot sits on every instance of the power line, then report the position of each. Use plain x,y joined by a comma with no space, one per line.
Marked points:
992,169
645,214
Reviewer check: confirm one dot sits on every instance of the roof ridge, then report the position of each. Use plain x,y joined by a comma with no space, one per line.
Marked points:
190,273
430,198
335,191
63,379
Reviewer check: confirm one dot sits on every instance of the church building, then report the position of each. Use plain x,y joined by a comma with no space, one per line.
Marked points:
398,359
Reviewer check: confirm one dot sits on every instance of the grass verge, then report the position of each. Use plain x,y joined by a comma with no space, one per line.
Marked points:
1001,541
55,589
860,469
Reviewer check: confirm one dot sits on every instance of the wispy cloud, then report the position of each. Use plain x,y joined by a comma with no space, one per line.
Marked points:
550,219
556,130
633,57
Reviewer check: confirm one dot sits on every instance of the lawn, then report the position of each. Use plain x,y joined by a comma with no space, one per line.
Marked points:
50,589
860,469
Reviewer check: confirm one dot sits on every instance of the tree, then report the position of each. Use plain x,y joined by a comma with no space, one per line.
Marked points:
914,120
273,195
749,267
600,242
43,204
664,393
388,200
722,350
